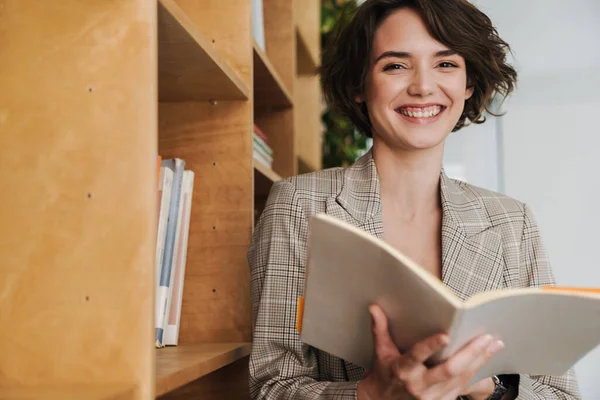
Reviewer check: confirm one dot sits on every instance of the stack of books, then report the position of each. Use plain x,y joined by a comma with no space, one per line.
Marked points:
261,149
175,188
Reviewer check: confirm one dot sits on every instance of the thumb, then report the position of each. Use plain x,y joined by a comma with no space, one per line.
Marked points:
382,341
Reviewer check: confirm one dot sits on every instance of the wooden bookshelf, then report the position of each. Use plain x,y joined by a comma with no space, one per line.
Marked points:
266,172
180,365
269,89
308,59
189,68
74,392
123,81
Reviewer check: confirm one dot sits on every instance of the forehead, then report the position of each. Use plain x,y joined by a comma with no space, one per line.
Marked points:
405,30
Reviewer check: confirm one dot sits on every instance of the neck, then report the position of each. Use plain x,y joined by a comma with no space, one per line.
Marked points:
409,180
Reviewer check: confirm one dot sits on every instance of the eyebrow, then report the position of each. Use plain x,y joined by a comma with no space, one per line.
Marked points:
403,54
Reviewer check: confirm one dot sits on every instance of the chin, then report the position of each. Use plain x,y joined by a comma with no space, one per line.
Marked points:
420,141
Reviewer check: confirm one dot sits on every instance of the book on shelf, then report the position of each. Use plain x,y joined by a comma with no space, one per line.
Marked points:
258,24
261,157
258,132
258,143
165,186
261,149
545,330
181,244
166,275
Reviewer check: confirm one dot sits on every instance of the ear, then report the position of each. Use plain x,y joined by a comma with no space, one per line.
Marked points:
358,98
469,92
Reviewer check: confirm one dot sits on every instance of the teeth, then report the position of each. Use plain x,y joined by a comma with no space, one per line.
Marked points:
428,112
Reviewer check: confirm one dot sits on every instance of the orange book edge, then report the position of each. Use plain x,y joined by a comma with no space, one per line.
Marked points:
300,314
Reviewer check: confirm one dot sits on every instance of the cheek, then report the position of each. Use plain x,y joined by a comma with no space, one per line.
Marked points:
382,89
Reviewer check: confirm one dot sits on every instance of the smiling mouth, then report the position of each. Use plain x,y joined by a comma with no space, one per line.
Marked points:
417,112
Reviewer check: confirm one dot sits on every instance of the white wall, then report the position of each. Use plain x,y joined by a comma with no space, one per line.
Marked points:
551,138
475,148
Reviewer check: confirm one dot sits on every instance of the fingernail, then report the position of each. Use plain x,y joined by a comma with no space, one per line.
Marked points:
496,346
484,341
444,340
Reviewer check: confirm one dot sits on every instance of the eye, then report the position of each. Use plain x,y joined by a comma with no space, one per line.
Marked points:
392,67
447,64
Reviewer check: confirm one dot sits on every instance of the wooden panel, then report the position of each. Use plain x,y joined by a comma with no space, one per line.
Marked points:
67,393
280,39
78,174
307,15
227,26
308,123
189,67
269,89
177,366
230,382
215,141
306,59
278,125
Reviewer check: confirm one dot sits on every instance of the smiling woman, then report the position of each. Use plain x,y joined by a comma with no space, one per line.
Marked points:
407,73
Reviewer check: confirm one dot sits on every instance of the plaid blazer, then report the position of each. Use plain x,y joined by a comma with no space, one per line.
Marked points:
489,241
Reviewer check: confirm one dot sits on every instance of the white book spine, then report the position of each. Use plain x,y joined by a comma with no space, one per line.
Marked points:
172,330
262,158
165,185
258,25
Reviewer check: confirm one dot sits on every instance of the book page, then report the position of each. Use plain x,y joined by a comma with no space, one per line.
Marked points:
347,271
544,332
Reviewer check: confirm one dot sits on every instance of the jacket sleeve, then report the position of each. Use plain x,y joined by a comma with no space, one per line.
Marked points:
535,271
281,367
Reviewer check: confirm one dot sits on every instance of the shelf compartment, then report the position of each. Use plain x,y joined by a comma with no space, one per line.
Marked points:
307,60
188,66
179,365
269,89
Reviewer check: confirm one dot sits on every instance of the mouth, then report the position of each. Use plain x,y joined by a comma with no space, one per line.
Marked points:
422,115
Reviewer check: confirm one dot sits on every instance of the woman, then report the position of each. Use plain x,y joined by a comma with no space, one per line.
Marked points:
407,73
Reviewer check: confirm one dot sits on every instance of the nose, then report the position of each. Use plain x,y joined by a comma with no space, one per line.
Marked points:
422,83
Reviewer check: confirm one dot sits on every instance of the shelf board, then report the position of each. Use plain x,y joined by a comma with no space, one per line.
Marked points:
264,177
179,365
188,66
267,172
269,89
68,392
307,60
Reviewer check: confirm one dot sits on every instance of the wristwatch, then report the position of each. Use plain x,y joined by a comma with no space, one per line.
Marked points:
500,389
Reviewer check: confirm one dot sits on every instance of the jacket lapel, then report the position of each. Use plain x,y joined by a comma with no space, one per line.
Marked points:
472,259
358,201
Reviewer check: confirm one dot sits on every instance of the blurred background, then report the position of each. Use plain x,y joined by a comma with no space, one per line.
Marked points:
544,150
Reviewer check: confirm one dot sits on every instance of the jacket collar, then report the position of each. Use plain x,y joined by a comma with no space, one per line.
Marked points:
359,197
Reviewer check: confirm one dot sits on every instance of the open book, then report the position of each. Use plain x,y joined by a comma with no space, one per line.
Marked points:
545,331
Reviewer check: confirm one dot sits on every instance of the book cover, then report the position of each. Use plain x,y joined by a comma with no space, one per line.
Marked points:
545,332
181,245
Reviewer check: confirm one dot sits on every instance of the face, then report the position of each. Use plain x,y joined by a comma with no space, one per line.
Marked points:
416,87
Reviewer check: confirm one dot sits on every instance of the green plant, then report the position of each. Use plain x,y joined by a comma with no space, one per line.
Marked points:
342,144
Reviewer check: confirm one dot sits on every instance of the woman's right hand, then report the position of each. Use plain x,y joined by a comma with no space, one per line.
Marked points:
405,376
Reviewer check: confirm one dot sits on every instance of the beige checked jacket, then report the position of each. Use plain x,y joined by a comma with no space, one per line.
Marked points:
489,241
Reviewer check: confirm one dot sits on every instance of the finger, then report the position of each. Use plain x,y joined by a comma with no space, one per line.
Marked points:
382,341
469,357
483,358
483,386
423,350
449,389
410,367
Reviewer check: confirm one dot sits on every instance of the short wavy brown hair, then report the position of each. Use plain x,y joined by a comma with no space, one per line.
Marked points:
456,23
